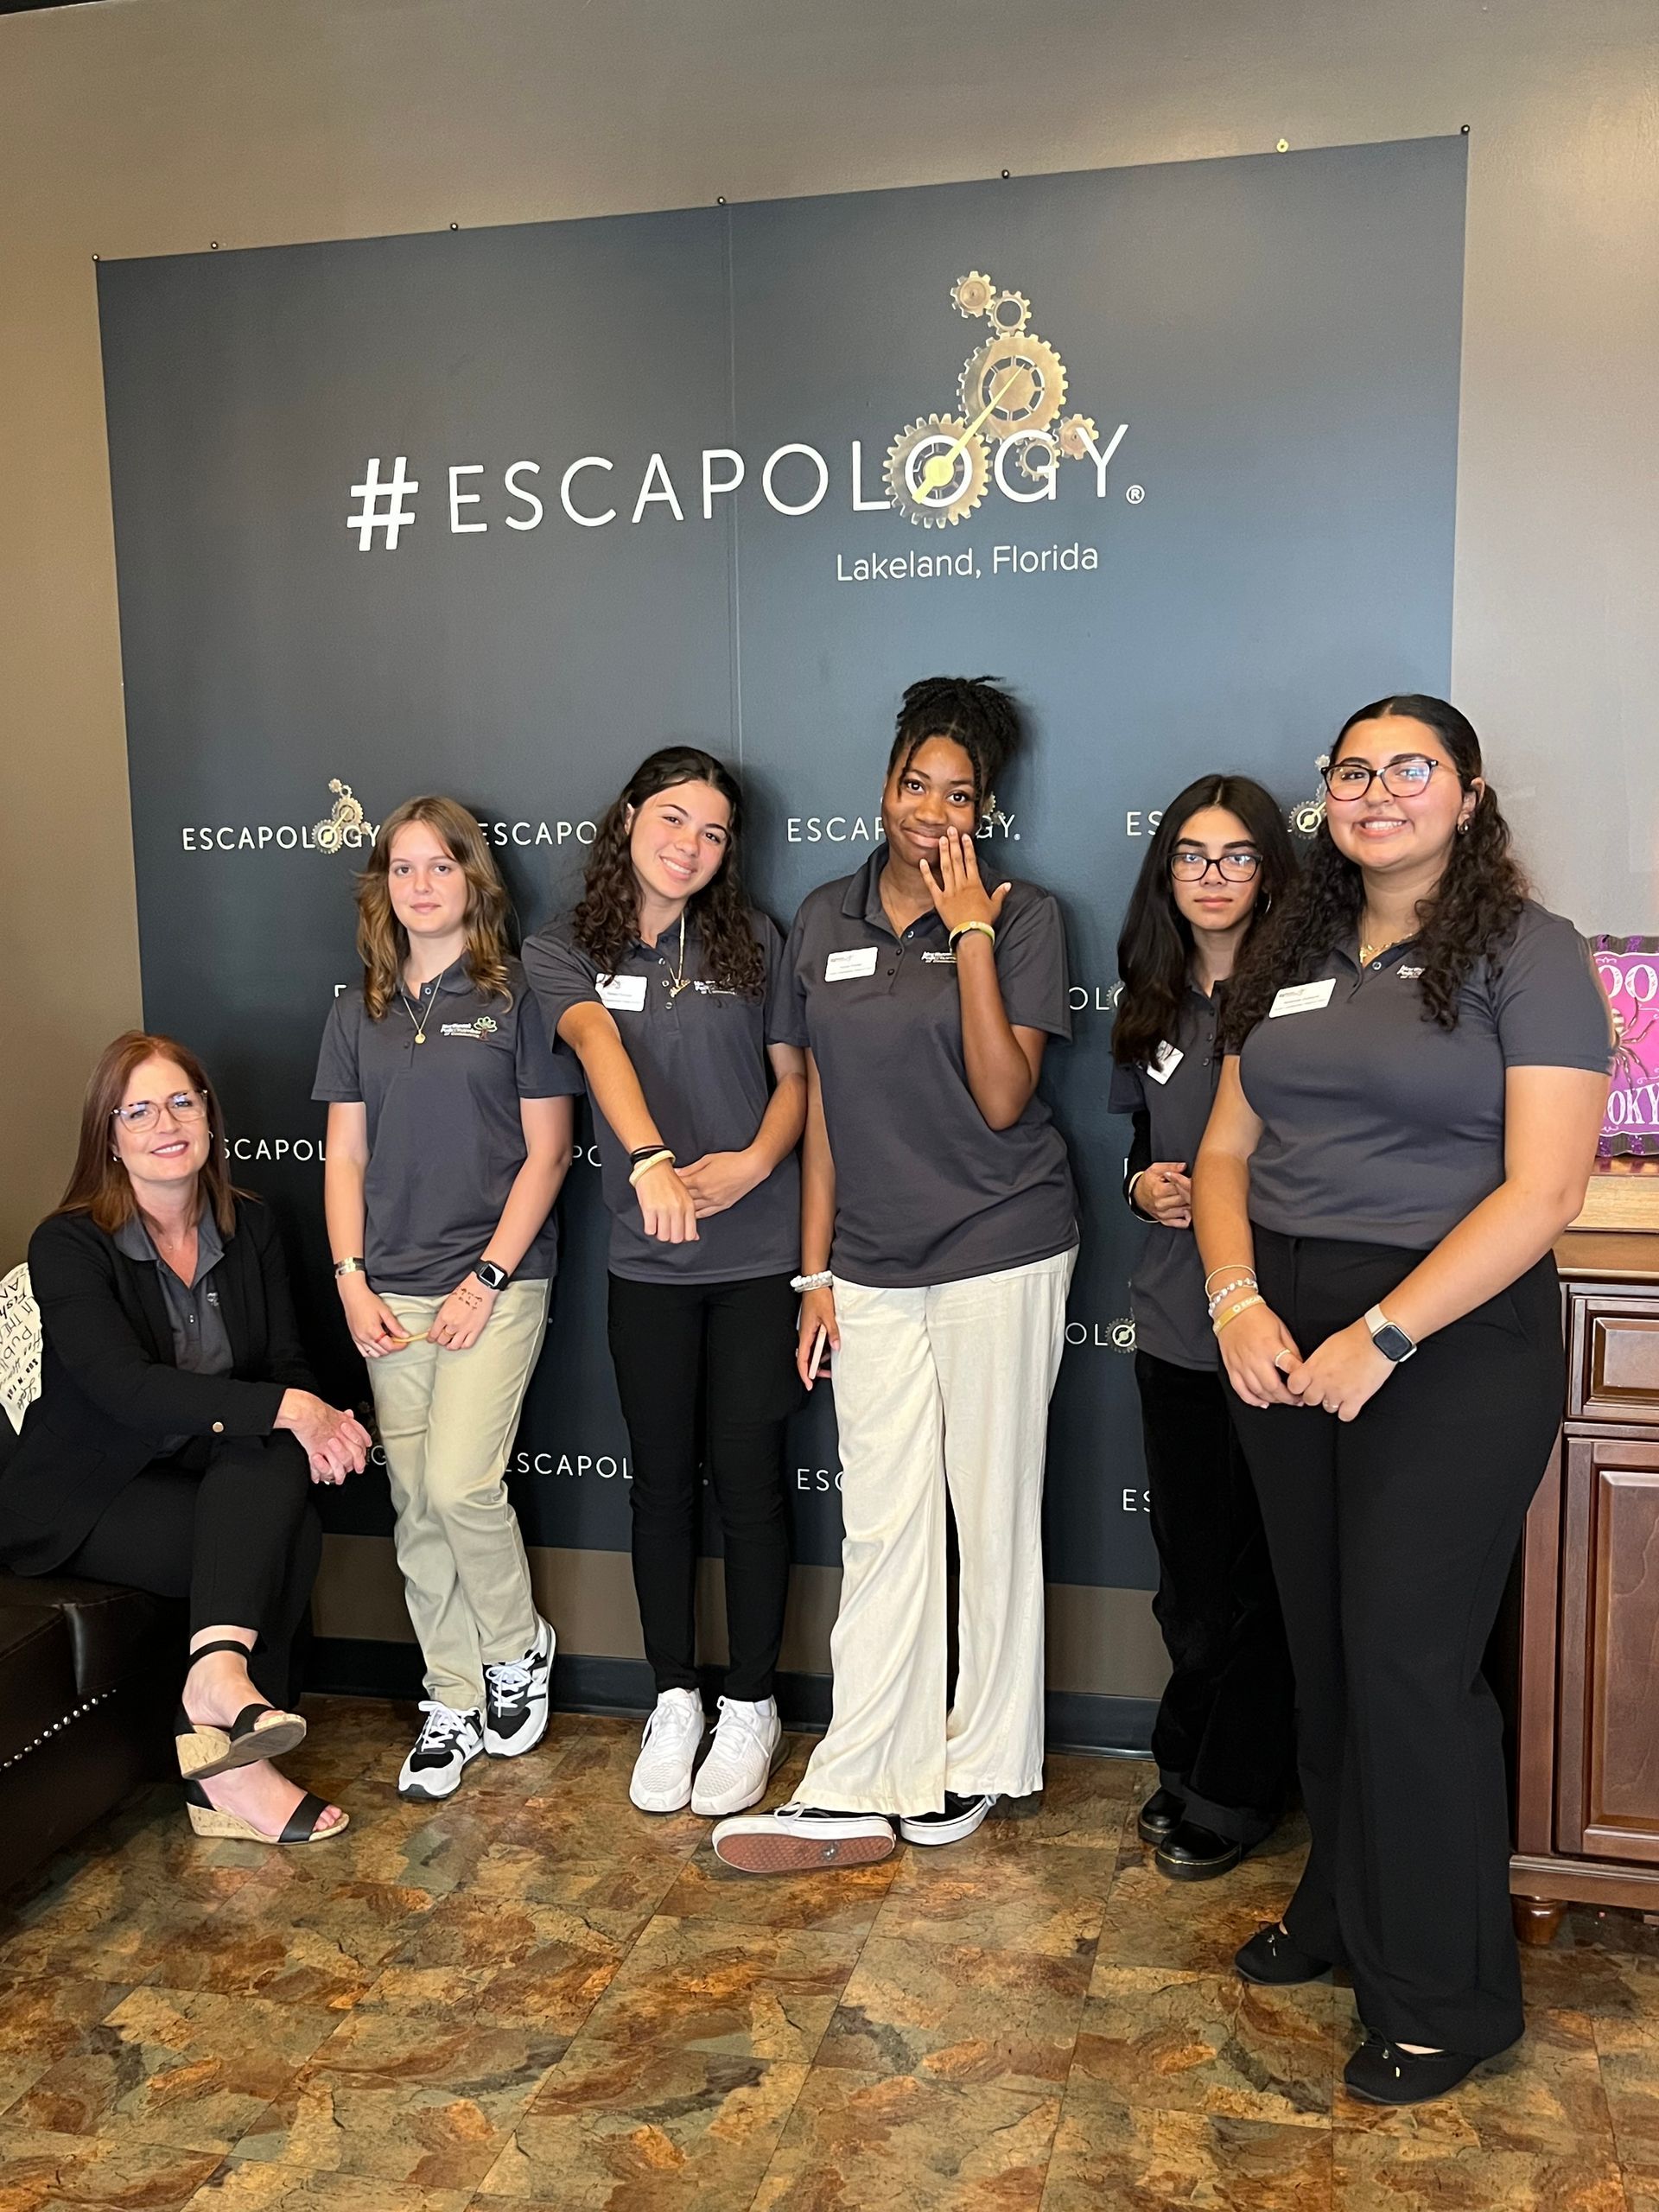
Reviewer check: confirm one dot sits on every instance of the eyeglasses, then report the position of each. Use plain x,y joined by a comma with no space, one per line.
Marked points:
1406,778
143,1113
1186,866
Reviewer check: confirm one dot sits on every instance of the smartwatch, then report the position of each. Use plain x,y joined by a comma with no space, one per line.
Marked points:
490,1276
1390,1338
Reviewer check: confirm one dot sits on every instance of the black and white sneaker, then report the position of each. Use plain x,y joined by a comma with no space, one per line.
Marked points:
961,1816
797,1838
516,1693
447,1743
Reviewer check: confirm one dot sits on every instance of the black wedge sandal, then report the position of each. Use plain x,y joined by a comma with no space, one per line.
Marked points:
258,1732
210,1820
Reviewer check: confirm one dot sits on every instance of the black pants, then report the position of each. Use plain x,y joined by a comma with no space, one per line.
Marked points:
229,1525
706,1373
1392,1537
1225,1734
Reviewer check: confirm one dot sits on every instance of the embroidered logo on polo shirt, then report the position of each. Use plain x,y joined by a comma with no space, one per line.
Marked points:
1409,975
477,1030
939,959
712,990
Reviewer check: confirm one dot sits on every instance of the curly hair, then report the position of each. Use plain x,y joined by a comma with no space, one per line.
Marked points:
381,940
1470,917
973,712
607,916
1154,949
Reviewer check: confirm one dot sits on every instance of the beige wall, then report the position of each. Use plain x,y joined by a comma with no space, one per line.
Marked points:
155,126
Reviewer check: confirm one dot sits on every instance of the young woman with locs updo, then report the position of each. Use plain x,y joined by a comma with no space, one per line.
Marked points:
1416,1072
1219,863
449,1126
938,1234
669,987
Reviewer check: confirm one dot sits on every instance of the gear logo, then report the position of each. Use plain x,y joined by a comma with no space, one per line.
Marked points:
330,835
1010,393
1307,814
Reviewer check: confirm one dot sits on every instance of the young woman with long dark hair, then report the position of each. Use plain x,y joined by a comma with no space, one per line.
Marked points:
1218,863
938,1234
669,987
449,1126
1416,1070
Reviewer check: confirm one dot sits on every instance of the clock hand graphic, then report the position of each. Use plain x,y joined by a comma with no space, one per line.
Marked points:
937,469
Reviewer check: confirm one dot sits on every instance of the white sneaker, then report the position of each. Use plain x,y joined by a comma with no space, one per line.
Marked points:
668,1751
446,1746
747,1749
797,1839
516,1693
960,1817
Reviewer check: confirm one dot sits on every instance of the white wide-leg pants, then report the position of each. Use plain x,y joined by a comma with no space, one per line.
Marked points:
937,1388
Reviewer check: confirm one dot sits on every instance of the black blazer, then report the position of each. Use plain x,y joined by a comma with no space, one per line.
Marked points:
110,1391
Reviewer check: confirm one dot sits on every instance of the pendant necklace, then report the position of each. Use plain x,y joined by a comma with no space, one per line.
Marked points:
678,971
420,1021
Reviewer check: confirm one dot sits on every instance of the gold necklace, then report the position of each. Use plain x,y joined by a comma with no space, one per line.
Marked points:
677,973
420,1021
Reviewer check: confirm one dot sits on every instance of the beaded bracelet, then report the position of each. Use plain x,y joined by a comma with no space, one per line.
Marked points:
1227,1267
1231,1290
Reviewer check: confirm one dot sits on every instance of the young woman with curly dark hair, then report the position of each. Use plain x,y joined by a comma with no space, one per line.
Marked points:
1220,864
668,986
1416,1072
449,1127
938,1234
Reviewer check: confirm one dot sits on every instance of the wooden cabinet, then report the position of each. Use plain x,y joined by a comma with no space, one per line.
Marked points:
1586,1722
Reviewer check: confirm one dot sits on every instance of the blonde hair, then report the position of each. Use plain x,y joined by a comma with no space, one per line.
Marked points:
381,940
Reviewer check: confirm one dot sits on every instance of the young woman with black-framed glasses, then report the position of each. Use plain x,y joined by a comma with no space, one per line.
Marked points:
1219,861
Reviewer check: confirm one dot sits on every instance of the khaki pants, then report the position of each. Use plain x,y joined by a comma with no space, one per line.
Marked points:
937,1389
447,1420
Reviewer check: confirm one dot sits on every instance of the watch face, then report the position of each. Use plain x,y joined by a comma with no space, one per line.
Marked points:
1393,1342
490,1275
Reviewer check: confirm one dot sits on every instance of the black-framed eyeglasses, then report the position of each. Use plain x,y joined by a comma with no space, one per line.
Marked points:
143,1113
1406,778
1186,866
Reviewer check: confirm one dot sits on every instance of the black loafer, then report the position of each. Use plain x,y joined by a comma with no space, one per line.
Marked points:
1192,1854
1380,2073
1271,1958
1160,1815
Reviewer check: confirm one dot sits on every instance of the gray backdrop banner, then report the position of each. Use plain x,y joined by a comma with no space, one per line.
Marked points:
497,512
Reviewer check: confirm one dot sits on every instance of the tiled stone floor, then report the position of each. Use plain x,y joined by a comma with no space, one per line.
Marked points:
537,1997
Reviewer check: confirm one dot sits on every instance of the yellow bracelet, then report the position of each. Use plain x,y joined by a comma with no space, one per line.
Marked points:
983,929
1233,1312
656,1159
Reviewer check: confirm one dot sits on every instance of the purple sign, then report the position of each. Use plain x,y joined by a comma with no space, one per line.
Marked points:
1629,969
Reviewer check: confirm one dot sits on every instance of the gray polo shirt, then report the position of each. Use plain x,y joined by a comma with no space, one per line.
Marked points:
445,1138
1378,1127
701,1057
1176,1094
202,1344
926,1191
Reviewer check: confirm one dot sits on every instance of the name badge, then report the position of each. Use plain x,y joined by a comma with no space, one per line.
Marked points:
622,993
842,966
1302,998
1164,1062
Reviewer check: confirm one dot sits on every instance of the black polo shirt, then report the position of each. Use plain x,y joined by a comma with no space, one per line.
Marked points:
1176,1093
700,1054
1380,1127
445,1138
926,1191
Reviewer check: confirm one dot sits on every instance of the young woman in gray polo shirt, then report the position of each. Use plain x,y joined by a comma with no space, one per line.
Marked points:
1220,860
449,1126
669,987
938,1235
1416,1073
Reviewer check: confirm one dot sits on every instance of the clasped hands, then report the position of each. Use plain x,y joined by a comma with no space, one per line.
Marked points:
1266,1368
335,1443
456,1326
673,1201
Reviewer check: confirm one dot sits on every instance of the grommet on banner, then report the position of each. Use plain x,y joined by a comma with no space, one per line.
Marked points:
1005,172
719,200
455,226
1284,145
1463,129
97,256
212,245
